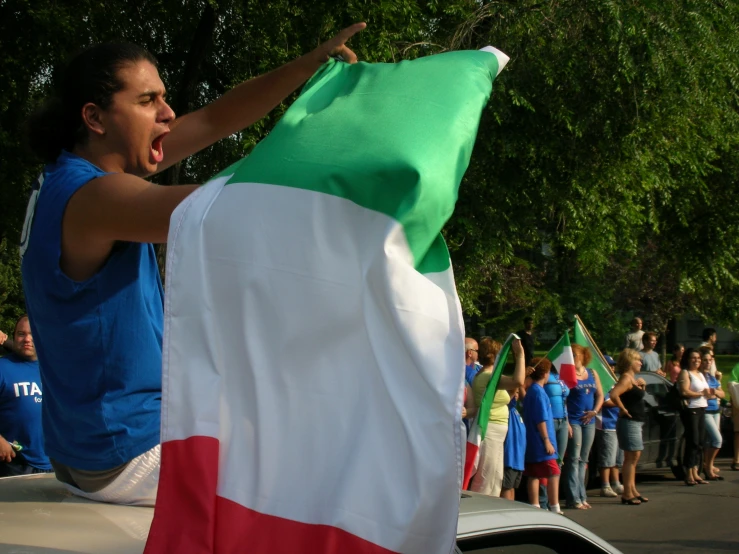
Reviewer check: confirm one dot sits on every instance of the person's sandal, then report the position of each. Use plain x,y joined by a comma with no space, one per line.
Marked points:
701,481
690,483
642,498
631,501
735,467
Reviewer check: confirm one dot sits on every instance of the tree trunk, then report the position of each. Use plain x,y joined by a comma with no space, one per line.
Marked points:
186,96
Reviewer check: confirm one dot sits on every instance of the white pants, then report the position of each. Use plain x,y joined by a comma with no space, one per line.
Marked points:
489,477
135,486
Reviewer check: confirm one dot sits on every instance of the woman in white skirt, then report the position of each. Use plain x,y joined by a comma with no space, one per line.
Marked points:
489,476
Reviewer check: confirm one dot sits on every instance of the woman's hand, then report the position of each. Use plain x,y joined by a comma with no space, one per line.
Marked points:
464,412
569,430
641,383
517,348
624,413
549,447
337,45
588,416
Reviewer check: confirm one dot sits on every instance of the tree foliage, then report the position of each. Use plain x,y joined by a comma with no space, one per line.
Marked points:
614,127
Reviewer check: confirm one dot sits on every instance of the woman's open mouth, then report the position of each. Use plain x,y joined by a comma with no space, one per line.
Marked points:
157,149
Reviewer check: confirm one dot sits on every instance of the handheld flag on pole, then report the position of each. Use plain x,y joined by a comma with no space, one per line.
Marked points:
562,358
598,363
479,425
325,239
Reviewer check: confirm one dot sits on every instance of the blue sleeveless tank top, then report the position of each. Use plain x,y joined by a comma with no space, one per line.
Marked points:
99,341
581,399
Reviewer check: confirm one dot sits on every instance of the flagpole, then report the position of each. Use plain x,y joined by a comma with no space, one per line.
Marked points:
590,338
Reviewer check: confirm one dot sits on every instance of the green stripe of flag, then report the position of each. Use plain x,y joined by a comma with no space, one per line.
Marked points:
607,378
411,174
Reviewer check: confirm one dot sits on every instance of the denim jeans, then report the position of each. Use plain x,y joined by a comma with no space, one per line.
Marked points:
578,451
713,430
561,432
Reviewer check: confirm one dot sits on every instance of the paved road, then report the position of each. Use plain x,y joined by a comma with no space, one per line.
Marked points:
677,519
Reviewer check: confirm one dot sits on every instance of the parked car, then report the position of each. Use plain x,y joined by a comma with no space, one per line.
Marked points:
662,432
39,516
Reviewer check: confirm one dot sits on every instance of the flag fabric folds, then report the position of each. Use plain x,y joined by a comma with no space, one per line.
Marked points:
479,426
562,359
313,352
598,363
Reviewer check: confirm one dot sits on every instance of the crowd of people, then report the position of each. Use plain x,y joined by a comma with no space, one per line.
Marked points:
542,429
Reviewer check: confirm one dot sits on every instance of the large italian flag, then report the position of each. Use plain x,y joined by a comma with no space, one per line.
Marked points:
562,359
313,352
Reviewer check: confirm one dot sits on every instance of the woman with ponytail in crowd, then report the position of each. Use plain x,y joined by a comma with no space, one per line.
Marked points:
89,269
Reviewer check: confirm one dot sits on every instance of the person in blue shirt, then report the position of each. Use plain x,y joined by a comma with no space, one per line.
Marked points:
541,443
583,404
21,436
471,366
557,391
514,448
712,416
89,268
610,456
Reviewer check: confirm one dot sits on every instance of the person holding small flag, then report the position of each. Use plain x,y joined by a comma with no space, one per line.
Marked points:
489,476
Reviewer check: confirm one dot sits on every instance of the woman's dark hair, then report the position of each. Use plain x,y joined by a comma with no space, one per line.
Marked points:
678,346
685,360
91,76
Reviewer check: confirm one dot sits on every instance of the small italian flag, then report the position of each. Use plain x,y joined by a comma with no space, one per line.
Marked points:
480,423
314,343
562,359
598,363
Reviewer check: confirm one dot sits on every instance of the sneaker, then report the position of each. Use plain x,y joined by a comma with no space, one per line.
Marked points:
618,488
608,491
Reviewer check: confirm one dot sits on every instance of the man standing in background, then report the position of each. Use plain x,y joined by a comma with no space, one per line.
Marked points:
634,338
527,339
650,359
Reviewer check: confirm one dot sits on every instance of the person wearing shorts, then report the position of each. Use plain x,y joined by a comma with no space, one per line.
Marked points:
610,456
628,395
514,449
541,442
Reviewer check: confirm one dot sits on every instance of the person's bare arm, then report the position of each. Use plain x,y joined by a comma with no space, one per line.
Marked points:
519,372
624,384
250,101
115,207
544,434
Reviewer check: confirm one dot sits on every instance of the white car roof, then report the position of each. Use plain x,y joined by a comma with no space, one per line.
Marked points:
39,516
